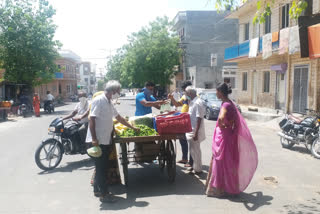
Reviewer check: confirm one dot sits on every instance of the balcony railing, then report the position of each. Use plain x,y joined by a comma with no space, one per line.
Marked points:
61,75
243,49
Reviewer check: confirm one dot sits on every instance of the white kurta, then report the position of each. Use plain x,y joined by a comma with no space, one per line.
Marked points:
196,110
103,110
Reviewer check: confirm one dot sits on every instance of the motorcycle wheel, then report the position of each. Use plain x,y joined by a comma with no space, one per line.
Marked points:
48,151
315,149
286,143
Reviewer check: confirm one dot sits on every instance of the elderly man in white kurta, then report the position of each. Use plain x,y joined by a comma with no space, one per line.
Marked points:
194,138
99,133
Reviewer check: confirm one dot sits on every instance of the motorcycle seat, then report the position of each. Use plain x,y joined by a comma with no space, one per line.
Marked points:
295,119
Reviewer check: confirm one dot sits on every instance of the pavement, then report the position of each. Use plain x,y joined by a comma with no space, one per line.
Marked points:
286,181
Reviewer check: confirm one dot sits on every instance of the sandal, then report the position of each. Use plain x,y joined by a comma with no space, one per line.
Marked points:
187,165
183,161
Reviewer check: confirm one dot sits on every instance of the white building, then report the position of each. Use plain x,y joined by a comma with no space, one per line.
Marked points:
87,77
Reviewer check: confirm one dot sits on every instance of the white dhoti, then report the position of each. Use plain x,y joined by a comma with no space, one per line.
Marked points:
195,151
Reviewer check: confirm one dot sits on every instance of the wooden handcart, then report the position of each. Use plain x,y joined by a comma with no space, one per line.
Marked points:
165,153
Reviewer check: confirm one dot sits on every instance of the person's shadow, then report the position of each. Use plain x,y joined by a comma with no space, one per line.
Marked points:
252,201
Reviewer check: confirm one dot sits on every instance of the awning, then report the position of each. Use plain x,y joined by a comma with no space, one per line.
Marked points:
314,41
282,68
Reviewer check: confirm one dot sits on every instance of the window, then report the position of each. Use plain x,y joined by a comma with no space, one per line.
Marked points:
309,10
181,33
246,32
285,16
233,82
86,80
266,82
68,88
267,25
59,66
244,81
282,76
54,88
208,85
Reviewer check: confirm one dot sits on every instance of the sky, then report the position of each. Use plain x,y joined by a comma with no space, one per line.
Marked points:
94,29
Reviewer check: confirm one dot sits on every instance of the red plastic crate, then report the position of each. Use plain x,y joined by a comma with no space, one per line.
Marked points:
178,124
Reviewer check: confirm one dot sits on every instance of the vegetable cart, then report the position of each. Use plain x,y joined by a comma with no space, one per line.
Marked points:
162,149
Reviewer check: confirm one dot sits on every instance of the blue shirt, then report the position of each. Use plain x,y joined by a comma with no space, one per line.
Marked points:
141,109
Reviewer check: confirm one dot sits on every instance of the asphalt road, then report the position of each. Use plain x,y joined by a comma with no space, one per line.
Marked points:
287,181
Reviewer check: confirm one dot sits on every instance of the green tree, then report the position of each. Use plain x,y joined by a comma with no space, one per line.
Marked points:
150,55
263,8
100,85
27,48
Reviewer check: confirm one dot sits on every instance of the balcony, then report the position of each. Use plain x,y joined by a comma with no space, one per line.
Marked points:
242,50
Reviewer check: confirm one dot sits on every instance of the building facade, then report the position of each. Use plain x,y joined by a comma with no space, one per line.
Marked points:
204,35
87,77
65,83
276,77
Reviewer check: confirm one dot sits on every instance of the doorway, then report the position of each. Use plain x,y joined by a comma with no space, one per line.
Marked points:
254,87
280,90
300,89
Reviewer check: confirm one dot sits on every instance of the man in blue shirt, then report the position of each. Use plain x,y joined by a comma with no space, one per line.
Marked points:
145,100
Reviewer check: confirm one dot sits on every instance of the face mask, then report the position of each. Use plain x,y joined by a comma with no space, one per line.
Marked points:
83,101
148,93
115,96
189,98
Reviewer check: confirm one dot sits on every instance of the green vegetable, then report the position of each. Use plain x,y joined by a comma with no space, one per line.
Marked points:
147,121
144,131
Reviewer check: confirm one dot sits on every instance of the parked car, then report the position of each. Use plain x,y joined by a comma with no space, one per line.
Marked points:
212,103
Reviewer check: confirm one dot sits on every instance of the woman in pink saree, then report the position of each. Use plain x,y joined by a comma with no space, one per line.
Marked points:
235,156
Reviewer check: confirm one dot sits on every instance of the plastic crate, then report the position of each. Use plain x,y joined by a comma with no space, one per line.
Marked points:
173,123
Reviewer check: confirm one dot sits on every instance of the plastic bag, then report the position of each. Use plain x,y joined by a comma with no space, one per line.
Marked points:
95,151
165,107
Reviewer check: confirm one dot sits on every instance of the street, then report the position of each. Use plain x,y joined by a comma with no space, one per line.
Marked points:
286,181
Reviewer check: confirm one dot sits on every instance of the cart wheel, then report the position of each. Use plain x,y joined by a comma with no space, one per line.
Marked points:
162,155
124,162
171,161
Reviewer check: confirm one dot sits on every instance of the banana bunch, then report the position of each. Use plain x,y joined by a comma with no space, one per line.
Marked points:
119,128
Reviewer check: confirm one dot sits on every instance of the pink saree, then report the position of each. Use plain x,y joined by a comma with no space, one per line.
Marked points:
235,157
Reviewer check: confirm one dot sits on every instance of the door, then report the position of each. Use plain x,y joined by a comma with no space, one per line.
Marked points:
254,87
300,89
280,91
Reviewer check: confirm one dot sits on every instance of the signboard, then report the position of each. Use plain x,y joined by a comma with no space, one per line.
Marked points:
214,59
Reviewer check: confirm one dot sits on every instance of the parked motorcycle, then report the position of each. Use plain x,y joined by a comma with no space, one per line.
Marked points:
65,139
74,98
301,132
48,106
23,110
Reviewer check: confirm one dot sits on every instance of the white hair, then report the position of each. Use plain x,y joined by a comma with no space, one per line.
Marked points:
191,90
112,85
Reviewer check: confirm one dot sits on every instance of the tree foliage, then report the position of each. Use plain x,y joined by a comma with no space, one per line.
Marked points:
100,85
150,55
27,48
263,8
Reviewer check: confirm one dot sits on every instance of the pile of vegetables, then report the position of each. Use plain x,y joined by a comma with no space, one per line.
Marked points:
119,128
147,121
144,131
